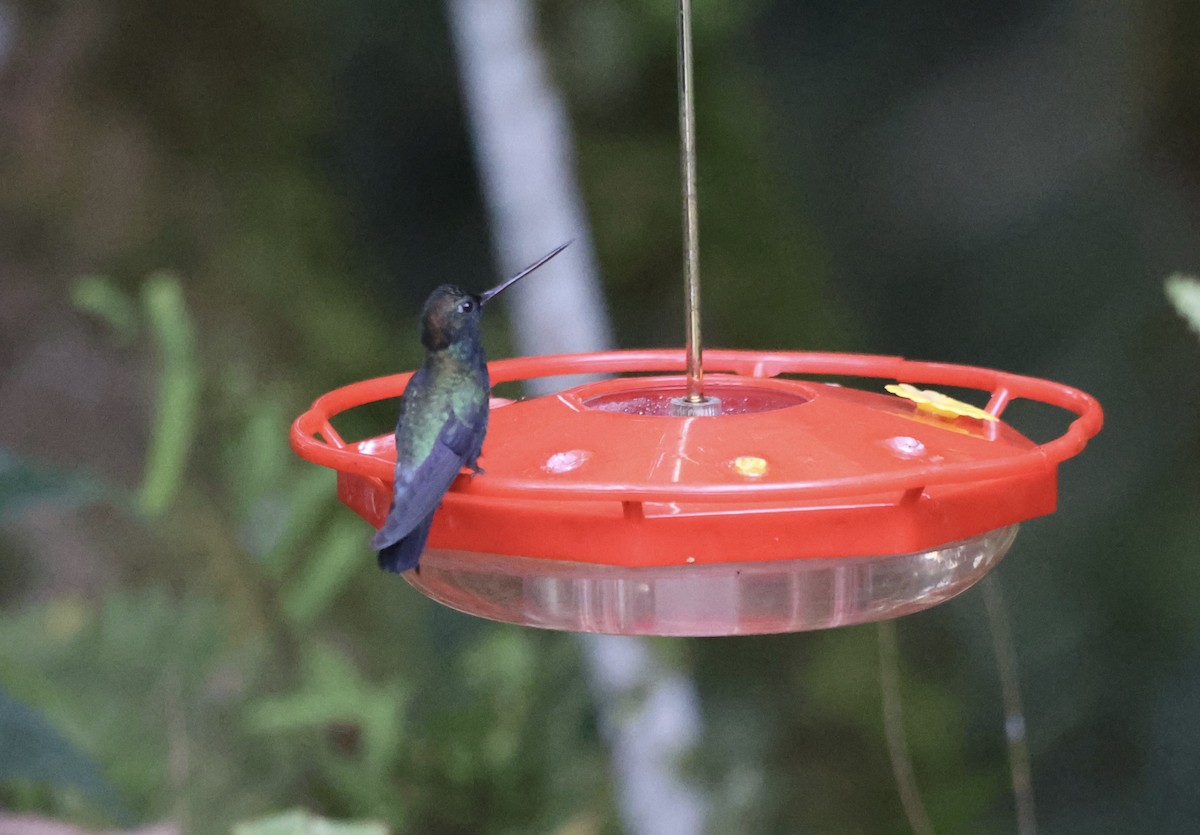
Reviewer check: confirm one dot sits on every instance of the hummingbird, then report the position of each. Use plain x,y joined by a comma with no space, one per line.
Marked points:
443,417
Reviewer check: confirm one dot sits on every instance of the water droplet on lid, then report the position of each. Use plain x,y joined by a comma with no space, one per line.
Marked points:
905,446
564,462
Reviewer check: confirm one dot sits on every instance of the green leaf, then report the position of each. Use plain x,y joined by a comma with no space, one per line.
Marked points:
1184,293
334,562
256,457
31,749
23,484
334,691
97,296
309,496
178,392
298,822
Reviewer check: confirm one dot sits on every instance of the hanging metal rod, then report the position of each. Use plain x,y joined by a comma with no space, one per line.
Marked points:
695,403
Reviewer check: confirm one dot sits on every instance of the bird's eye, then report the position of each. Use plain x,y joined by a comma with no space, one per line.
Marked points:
466,306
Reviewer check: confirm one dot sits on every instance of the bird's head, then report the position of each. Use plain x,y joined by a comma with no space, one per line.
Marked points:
450,315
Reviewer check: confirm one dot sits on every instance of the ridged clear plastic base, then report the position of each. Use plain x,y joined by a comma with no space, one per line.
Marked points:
746,598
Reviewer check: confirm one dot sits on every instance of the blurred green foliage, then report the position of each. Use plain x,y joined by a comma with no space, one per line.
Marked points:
24,484
226,687
302,823
36,755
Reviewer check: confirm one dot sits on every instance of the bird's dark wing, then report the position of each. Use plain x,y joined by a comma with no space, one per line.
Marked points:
460,435
419,488
405,553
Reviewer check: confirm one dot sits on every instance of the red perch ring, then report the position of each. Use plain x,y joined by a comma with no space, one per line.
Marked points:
804,504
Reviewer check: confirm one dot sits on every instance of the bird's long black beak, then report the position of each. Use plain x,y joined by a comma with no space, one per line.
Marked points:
486,295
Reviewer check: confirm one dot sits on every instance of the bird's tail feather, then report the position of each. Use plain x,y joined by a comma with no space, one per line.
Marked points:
403,554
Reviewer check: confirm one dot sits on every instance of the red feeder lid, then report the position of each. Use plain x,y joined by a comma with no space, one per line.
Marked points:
792,469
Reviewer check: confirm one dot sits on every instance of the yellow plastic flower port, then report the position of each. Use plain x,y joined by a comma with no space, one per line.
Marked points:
938,403
750,466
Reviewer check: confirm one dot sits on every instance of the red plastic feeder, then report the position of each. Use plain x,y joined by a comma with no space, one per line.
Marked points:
803,505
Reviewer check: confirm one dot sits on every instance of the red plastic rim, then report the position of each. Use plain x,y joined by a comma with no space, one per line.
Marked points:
832,490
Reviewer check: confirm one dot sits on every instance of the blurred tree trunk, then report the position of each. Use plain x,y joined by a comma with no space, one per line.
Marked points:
524,152
527,167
